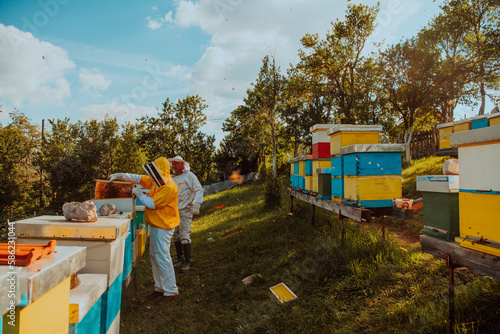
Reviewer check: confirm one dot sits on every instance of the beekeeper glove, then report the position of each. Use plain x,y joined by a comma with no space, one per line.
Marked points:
134,178
137,192
116,177
145,199
195,209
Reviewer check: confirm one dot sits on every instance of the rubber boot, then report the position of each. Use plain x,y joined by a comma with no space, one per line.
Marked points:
187,258
180,254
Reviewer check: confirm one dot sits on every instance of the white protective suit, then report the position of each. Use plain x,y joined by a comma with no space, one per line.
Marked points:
190,192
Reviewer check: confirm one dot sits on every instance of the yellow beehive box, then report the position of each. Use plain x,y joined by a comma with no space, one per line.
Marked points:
445,130
309,183
372,188
141,242
444,143
48,314
494,119
302,168
461,126
318,163
345,134
479,216
292,169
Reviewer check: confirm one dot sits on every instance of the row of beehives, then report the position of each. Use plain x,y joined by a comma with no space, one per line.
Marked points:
349,164
466,208
102,253
445,130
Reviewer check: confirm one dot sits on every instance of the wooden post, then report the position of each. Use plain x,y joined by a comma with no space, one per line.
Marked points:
291,203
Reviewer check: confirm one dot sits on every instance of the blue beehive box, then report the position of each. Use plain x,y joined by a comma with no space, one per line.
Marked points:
337,166
358,164
295,168
337,187
372,159
302,182
479,123
308,167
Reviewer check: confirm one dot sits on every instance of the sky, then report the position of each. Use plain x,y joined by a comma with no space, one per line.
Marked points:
84,60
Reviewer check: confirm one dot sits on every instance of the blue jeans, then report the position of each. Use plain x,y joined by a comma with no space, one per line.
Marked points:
163,268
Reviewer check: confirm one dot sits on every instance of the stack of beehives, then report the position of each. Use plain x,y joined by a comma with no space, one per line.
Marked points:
364,172
479,194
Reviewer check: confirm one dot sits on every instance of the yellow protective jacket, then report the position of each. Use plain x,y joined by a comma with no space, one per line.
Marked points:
166,213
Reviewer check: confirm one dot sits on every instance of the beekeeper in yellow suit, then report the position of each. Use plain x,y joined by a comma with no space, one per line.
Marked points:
190,200
162,214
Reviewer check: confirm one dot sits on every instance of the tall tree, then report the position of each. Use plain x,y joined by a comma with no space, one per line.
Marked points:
19,141
409,78
330,67
177,131
479,20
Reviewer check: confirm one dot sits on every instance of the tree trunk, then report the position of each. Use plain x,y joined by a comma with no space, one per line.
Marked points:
483,99
408,137
273,130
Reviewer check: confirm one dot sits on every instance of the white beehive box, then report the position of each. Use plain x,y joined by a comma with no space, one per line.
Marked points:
438,183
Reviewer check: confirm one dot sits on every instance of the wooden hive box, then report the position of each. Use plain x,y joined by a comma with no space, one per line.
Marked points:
325,183
479,197
320,141
318,163
445,130
494,119
372,191
441,211
373,159
345,134
85,304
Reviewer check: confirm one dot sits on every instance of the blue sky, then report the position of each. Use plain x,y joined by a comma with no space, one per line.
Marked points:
86,59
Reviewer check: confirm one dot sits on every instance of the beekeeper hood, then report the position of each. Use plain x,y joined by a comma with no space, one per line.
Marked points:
178,158
158,171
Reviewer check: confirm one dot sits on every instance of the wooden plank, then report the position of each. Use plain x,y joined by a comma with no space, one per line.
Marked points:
406,214
357,214
445,153
483,263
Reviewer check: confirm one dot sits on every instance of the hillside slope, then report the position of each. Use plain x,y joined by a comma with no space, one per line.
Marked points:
364,284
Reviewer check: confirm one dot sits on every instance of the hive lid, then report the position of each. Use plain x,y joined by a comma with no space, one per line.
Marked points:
477,136
319,127
438,183
37,279
57,227
351,127
369,148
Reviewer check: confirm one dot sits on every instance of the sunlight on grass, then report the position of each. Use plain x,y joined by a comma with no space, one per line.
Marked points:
362,284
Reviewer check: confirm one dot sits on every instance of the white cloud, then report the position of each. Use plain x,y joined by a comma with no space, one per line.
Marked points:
31,70
155,8
124,112
92,82
154,24
168,17
157,23
243,32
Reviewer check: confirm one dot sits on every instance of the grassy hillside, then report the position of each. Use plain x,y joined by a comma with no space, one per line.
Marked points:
364,284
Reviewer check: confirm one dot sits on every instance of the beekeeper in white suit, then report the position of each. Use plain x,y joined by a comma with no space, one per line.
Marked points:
190,197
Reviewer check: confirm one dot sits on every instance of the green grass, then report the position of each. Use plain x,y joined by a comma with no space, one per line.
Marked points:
364,284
